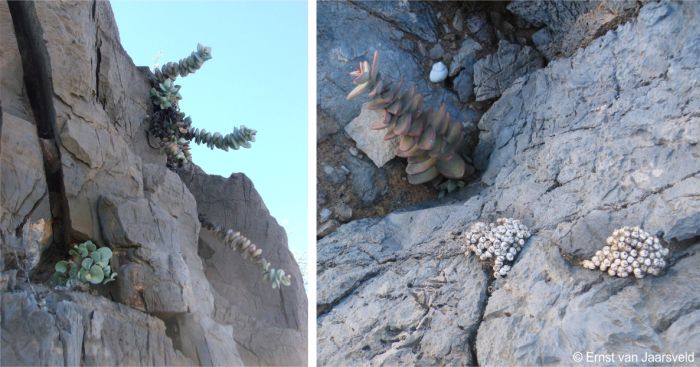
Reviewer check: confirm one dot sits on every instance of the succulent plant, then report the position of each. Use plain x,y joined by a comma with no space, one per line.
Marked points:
428,138
183,67
172,127
498,243
88,264
629,251
240,137
236,241
166,94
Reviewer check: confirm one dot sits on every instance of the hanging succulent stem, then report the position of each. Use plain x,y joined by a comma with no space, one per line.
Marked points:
240,137
429,139
172,127
236,241
183,67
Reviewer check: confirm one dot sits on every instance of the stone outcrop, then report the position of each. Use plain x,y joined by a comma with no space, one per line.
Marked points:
257,313
496,72
47,328
76,165
592,142
565,26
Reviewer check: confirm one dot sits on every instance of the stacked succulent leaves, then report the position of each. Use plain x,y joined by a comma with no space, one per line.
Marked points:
497,243
629,251
238,242
428,138
88,264
172,127
185,66
240,137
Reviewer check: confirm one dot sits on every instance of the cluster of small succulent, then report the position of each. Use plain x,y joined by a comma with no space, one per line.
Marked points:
429,139
166,94
88,264
497,242
276,277
168,125
185,66
172,127
240,137
449,186
629,250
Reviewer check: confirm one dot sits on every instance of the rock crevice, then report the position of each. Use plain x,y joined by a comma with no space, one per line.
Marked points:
39,89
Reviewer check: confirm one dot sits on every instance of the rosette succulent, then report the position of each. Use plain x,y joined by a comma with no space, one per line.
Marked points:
428,138
87,265
166,94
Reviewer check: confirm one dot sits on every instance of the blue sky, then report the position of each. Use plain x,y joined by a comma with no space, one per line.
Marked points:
257,77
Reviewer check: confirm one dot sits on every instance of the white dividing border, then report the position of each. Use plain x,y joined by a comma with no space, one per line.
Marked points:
311,189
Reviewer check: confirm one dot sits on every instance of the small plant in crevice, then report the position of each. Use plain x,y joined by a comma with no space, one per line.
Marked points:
236,241
172,127
87,265
629,251
497,243
429,139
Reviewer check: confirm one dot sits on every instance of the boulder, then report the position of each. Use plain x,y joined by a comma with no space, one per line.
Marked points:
569,25
496,72
269,325
369,141
75,328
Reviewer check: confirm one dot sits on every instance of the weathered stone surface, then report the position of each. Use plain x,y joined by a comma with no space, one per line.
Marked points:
464,85
390,287
23,192
13,97
465,57
74,328
270,325
165,281
164,228
210,341
588,144
21,250
417,18
570,25
576,310
343,41
371,142
368,182
496,72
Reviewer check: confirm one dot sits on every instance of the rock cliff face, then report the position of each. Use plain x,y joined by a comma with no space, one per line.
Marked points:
606,137
76,165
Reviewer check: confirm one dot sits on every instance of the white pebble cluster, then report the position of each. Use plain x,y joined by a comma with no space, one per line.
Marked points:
499,242
630,250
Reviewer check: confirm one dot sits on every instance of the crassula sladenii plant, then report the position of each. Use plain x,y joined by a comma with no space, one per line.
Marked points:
428,138
238,242
87,265
175,132
172,127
